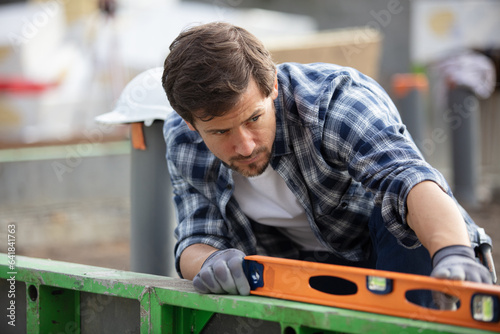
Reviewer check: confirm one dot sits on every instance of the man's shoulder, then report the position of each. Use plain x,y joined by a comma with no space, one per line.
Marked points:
176,131
290,66
185,147
314,76
318,82
315,71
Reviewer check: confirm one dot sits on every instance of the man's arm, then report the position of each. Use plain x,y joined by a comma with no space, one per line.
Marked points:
435,217
439,225
193,257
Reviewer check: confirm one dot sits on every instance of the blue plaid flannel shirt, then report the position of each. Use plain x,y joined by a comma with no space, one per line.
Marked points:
340,147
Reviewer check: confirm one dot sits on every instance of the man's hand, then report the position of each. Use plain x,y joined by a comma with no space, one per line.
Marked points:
222,272
457,263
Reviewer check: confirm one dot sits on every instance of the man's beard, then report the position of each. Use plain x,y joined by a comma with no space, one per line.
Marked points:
252,169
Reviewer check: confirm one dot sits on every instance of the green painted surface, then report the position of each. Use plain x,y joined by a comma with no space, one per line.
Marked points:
170,305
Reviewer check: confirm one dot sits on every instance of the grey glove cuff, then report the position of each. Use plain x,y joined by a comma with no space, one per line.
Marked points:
452,250
217,254
222,272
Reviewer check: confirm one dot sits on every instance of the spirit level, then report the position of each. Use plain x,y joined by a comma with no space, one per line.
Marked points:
375,291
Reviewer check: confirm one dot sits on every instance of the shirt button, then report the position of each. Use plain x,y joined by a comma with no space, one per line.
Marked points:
344,205
229,187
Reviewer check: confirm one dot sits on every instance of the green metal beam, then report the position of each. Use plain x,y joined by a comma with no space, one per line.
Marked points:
58,310
69,298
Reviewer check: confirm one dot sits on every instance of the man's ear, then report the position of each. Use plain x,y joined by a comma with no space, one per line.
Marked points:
190,126
274,94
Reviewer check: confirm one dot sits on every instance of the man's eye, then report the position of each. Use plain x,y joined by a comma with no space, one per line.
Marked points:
220,132
254,119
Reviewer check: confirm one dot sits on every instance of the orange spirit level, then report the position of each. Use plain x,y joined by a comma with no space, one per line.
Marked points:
375,291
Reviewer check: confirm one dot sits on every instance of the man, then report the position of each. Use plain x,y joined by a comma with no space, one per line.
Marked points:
309,162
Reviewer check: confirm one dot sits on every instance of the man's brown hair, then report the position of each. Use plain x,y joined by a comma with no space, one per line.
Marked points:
209,66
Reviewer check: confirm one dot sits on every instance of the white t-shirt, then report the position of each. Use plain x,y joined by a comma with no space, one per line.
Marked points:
268,200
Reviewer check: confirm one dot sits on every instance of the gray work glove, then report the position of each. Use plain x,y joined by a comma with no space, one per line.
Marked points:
457,263
222,272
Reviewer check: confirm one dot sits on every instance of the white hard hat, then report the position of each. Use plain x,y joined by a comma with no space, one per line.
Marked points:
142,100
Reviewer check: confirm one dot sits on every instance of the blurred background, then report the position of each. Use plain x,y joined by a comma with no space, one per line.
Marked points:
65,179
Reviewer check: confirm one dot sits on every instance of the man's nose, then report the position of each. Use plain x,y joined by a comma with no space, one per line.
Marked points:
244,143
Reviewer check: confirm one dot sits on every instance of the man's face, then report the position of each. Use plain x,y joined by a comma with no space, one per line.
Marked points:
243,137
